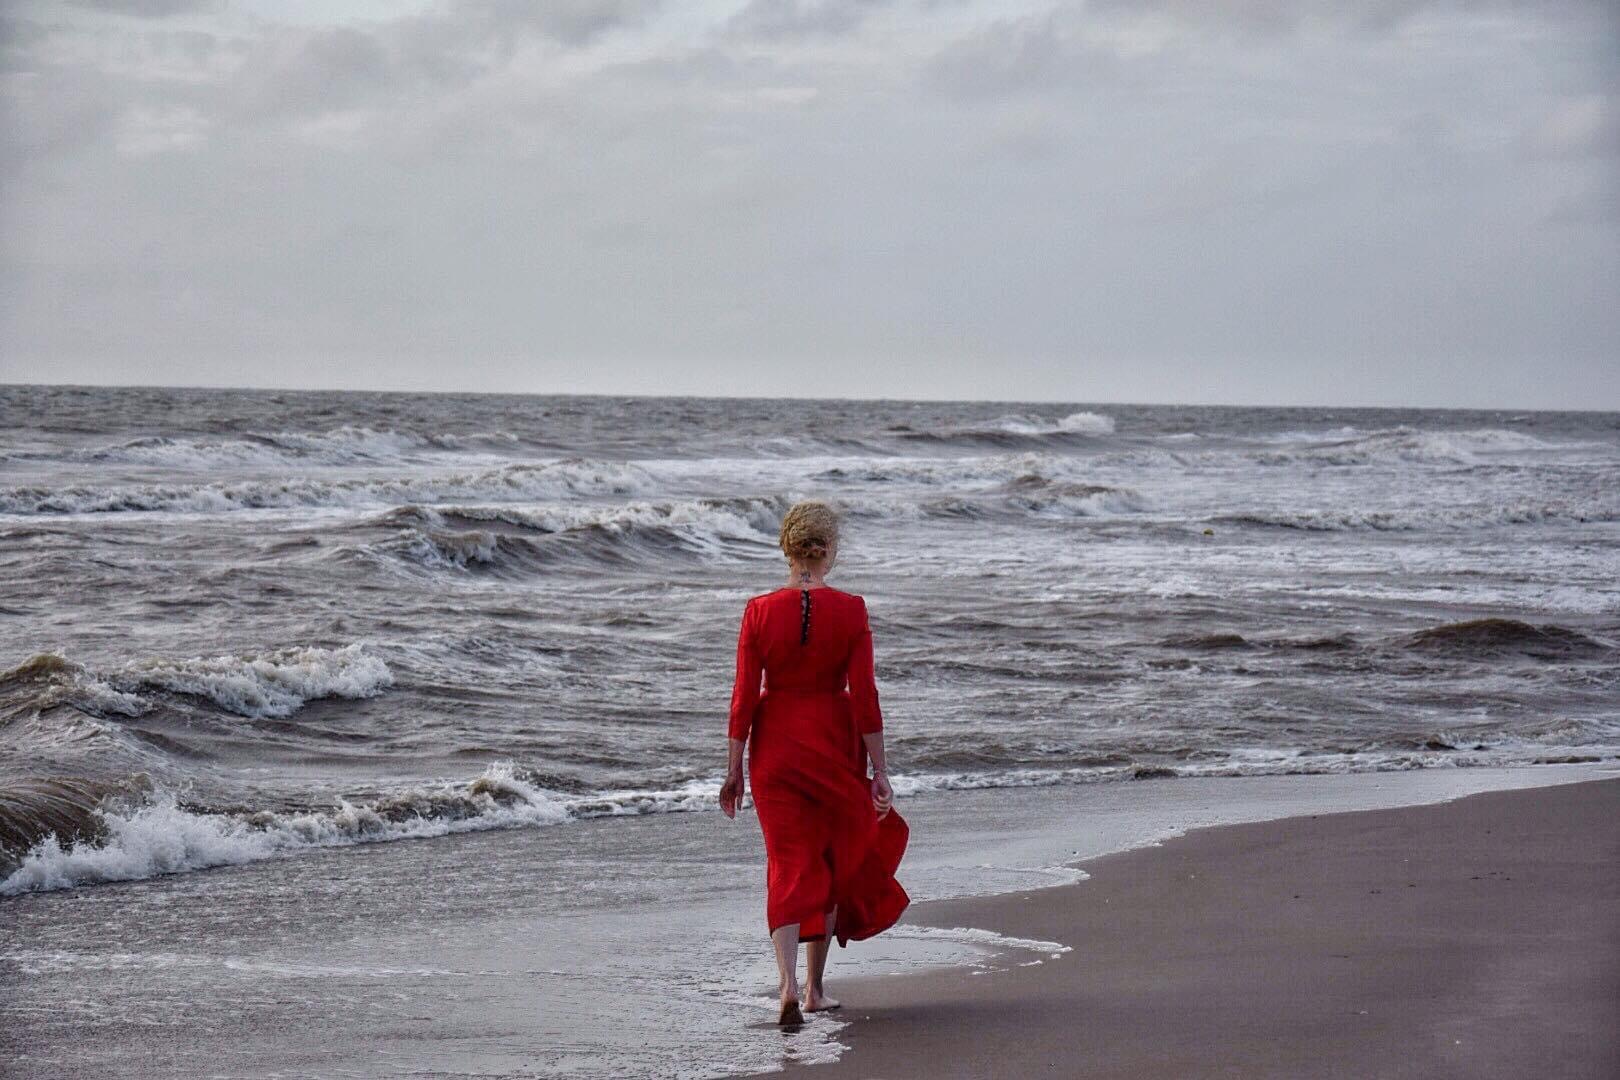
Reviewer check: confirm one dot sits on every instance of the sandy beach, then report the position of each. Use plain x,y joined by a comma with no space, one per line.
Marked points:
1476,938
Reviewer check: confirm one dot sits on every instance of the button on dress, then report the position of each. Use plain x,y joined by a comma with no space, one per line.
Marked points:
825,846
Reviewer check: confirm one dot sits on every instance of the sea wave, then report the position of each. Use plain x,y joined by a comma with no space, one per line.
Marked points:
1400,447
34,810
1406,444
119,842
164,836
47,680
742,517
553,479
519,538
1076,423
1014,428
346,445
272,684
1496,636
1418,754
1480,637
1418,519
981,473
1044,498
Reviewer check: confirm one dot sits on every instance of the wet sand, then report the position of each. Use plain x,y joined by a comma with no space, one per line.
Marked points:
1478,938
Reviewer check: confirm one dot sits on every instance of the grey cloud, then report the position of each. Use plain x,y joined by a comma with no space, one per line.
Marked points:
1015,55
18,40
570,21
1597,206
53,111
1576,127
800,18
153,9
302,70
504,195
292,71
1286,16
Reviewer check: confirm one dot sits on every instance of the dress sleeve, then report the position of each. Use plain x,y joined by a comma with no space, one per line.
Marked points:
750,665
863,693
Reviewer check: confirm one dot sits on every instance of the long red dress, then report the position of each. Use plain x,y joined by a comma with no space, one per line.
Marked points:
824,844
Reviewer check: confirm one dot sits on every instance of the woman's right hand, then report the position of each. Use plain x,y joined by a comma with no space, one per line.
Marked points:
731,793
882,796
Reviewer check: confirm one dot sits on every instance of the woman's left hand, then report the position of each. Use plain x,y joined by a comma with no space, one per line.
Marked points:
882,796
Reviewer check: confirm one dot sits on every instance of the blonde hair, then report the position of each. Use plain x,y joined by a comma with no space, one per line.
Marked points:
809,530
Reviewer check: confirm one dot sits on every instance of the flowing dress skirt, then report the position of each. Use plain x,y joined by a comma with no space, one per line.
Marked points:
825,846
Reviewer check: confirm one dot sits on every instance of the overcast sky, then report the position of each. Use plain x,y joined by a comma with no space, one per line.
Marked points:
1322,201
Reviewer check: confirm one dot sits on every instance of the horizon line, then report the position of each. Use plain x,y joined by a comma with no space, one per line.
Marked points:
587,394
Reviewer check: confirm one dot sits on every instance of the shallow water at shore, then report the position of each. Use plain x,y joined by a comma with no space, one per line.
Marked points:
536,953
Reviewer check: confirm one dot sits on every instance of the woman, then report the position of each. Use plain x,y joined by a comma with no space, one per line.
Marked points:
832,837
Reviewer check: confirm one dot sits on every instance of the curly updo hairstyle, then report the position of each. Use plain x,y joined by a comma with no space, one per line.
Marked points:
809,530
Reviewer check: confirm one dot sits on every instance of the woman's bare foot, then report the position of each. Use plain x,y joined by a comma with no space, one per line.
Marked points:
816,1001
790,1016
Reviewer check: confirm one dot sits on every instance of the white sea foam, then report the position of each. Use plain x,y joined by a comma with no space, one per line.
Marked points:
1432,518
56,680
555,479
346,445
1068,501
443,550
276,683
1078,423
93,694
987,940
271,684
706,521
1500,748
971,473
162,837
1018,425
1401,448
1405,444
703,527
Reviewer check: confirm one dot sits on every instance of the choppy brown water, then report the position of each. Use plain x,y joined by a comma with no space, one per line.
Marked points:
240,625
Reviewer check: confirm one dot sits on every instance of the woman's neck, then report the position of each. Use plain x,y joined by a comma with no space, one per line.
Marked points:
800,578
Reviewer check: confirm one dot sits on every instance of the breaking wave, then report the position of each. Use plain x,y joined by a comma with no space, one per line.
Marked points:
1015,428
991,472
1405,444
544,480
1045,498
48,680
1422,519
36,810
496,538
273,684
522,539
703,519
346,445
117,841
164,836
266,685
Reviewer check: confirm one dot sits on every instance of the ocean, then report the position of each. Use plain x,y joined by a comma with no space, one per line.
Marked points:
266,634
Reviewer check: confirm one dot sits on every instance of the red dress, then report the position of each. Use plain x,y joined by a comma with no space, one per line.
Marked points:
824,844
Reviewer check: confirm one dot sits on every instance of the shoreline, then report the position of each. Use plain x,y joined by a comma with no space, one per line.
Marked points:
1477,937
479,955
